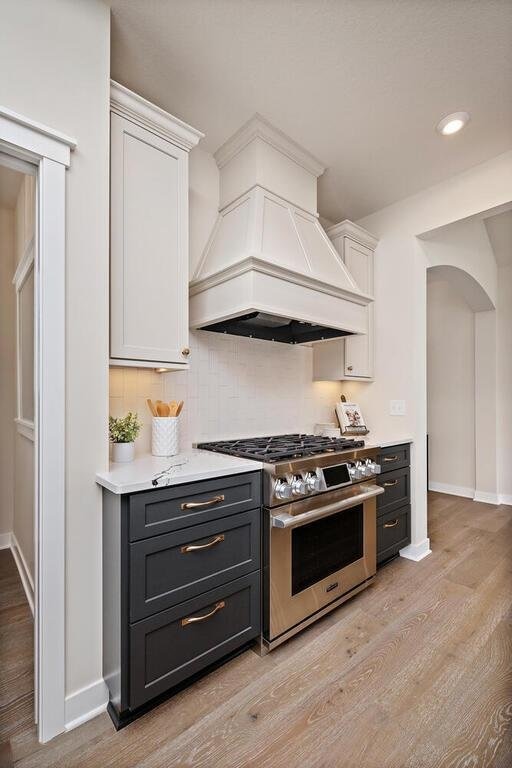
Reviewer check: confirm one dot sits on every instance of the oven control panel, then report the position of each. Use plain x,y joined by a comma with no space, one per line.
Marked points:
302,484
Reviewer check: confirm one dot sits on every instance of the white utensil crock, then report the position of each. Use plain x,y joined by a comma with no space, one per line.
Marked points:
164,436
123,452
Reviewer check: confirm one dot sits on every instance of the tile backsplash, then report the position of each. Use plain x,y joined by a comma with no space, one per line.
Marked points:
235,387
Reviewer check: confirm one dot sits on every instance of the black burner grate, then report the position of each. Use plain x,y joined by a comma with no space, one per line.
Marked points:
281,447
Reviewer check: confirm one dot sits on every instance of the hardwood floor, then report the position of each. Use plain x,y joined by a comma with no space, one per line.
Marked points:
413,673
16,657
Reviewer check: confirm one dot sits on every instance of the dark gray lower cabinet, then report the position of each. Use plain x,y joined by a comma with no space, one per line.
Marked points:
181,591
393,533
393,506
173,645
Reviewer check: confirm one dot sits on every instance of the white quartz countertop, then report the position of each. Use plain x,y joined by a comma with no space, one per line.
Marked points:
188,467
372,442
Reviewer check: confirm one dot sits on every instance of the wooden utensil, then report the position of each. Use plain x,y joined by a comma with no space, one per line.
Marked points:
163,409
151,407
180,407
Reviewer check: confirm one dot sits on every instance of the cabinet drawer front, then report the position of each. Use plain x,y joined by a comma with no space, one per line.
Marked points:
393,533
394,457
170,647
170,509
168,569
397,490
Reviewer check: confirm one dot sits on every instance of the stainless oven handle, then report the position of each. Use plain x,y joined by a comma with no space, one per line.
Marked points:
292,521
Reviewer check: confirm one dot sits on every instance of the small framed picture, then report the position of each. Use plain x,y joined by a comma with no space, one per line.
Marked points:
351,419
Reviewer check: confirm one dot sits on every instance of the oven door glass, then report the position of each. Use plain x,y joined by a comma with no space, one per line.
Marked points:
326,546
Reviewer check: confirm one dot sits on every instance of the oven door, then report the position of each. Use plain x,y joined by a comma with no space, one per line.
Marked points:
320,549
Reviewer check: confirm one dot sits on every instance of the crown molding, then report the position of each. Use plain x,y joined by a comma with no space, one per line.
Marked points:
260,128
349,229
138,110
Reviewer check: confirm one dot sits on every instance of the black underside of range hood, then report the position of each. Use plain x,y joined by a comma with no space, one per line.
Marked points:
260,325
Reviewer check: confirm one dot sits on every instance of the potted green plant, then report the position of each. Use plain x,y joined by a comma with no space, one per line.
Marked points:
122,432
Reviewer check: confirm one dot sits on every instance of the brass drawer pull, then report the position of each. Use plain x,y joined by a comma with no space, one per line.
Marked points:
195,619
393,524
200,504
390,483
390,458
197,547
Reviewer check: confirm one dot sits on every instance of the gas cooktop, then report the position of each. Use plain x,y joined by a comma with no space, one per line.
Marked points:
282,447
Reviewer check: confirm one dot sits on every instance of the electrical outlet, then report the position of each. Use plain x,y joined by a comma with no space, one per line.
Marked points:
397,407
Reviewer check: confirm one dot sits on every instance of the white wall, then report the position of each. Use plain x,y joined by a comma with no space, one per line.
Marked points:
400,311
450,388
54,68
504,381
7,370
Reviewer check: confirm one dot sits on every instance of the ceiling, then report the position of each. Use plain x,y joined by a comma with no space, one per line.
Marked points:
10,182
499,229
359,83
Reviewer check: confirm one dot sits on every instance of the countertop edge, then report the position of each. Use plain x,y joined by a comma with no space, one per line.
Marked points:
134,486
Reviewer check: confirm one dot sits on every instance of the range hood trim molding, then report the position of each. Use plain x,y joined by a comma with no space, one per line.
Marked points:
255,264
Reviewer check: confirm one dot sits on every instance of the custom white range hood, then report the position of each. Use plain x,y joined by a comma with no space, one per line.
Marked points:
269,270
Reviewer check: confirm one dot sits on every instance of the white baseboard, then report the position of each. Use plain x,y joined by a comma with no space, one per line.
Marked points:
85,704
5,540
416,552
486,497
26,578
505,498
452,490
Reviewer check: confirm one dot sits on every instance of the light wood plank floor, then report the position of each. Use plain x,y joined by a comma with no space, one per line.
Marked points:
16,657
413,673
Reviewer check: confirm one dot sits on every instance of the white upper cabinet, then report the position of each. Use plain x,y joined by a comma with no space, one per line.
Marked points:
148,233
351,357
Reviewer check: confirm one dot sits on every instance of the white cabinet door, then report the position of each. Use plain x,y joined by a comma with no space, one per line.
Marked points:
148,246
359,349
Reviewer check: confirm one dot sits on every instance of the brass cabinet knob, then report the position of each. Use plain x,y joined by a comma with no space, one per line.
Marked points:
185,352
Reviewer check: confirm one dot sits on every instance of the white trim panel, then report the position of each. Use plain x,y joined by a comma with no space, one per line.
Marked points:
505,498
50,446
37,139
452,490
486,497
23,569
5,540
25,428
86,703
416,552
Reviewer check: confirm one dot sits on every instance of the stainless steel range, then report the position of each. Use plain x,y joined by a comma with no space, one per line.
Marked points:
319,525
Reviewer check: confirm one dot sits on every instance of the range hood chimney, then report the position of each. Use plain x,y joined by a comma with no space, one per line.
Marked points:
269,270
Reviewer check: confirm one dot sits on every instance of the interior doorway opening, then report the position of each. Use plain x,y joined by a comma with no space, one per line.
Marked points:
469,356
18,524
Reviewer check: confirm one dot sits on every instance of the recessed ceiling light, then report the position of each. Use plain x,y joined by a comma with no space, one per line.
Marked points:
452,123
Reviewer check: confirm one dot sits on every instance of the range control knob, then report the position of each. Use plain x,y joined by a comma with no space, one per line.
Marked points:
282,489
312,482
299,487
372,467
358,471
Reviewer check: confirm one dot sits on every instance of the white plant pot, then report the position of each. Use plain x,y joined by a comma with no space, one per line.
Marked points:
123,452
164,436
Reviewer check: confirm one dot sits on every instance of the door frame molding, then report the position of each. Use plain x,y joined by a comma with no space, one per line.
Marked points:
50,152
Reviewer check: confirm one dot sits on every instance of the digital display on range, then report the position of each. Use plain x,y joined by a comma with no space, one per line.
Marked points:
336,475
